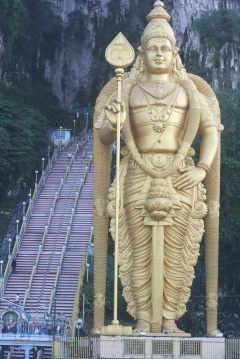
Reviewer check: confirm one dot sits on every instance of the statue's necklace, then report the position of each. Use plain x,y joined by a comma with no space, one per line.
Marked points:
159,87
160,118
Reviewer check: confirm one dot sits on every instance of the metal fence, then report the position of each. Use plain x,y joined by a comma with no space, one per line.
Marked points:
232,348
146,347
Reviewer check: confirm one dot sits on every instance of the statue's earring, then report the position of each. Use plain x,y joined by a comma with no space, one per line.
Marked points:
140,67
178,63
175,68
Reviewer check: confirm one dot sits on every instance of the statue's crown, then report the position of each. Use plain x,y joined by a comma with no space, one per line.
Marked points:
158,12
158,25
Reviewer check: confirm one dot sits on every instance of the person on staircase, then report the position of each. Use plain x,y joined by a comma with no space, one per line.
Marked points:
14,264
17,298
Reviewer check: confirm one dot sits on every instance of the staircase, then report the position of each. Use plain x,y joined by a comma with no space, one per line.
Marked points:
79,238
43,247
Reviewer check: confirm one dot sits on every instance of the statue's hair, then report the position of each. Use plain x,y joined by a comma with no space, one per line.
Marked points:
158,28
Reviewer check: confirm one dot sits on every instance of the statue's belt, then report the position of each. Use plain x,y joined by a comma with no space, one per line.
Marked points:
162,161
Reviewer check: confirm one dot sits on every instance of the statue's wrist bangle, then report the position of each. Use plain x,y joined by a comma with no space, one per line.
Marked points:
204,165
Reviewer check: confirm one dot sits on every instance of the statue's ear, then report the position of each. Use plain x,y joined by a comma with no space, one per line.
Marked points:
140,50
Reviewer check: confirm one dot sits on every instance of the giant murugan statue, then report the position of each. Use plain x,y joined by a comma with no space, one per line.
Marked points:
162,198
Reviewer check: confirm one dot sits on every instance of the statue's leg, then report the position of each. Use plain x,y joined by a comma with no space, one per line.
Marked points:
140,236
175,240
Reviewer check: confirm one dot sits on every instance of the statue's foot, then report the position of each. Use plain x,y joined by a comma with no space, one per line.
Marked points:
170,325
214,333
95,332
142,326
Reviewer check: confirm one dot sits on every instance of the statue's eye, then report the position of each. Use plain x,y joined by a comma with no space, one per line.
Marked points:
152,48
166,49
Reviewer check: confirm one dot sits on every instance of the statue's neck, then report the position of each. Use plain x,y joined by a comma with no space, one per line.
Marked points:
158,77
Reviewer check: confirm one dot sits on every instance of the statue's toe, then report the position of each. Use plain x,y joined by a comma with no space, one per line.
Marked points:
214,333
171,326
142,326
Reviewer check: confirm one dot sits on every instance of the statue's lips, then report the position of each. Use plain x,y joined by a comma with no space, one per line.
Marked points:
159,61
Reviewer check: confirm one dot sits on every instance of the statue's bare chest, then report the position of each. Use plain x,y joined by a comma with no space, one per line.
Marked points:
160,108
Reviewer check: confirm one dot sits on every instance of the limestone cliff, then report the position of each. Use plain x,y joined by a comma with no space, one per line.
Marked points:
79,53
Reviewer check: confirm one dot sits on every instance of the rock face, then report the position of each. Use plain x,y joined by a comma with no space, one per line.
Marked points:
185,11
69,70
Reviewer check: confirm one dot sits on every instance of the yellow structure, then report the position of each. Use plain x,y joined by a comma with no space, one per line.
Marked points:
162,201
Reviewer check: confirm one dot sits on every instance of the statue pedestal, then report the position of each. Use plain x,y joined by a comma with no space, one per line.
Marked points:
160,347
178,335
116,330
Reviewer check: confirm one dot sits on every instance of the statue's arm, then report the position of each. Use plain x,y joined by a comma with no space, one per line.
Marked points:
209,145
209,133
191,176
106,136
108,131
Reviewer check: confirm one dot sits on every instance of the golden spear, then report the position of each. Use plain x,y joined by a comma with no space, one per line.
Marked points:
119,54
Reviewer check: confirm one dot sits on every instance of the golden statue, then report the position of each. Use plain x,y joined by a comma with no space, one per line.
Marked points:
162,198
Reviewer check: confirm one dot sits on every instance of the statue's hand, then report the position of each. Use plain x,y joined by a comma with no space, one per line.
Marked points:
190,177
112,110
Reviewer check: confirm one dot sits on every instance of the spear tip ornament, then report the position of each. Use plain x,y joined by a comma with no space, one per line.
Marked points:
119,53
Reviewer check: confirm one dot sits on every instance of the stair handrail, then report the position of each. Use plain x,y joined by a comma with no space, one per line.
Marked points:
79,190
72,217
28,288
40,247
39,353
61,260
26,218
76,150
59,269
9,355
88,167
79,145
74,156
52,298
72,140
63,179
69,231
49,220
58,191
82,271
83,144
83,265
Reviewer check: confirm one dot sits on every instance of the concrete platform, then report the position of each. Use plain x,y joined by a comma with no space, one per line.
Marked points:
26,339
161,347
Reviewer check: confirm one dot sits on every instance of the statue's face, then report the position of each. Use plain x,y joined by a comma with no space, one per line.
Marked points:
158,56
